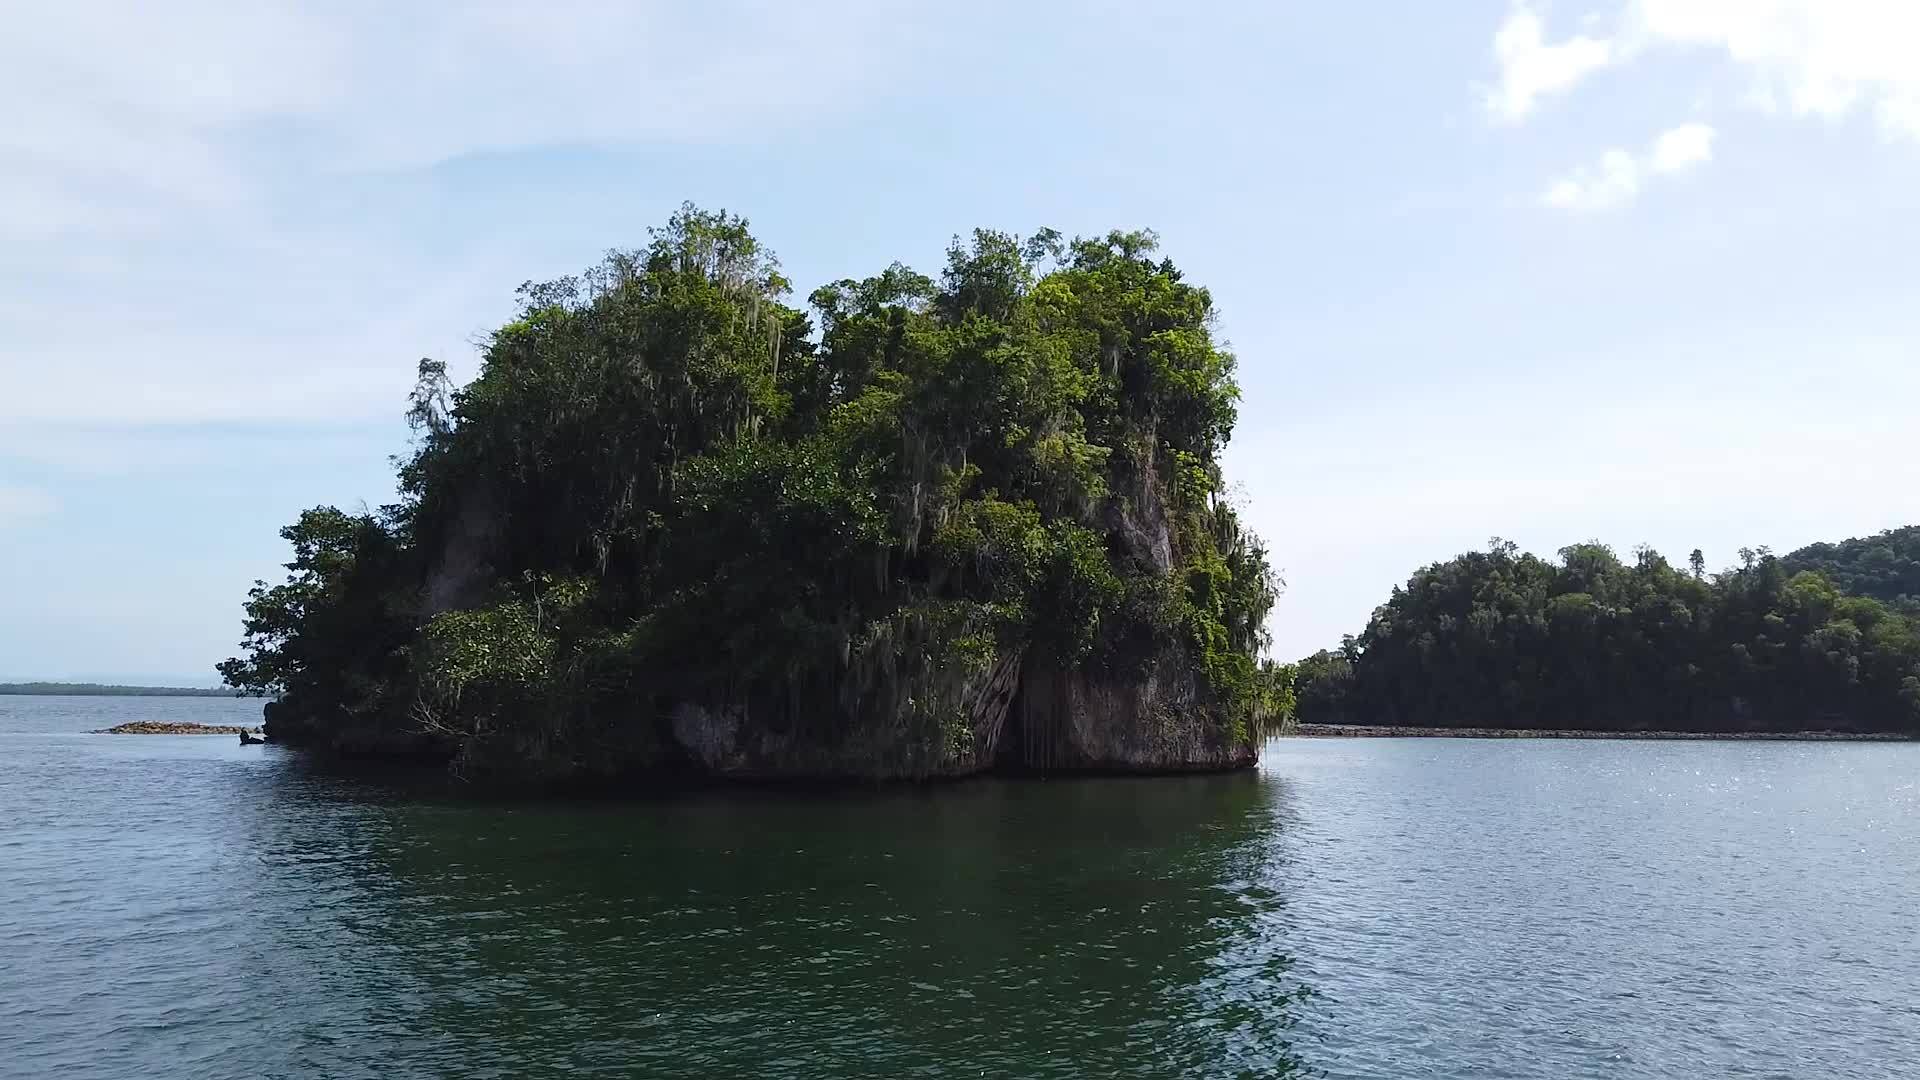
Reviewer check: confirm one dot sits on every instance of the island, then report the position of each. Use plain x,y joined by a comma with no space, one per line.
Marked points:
1500,642
678,526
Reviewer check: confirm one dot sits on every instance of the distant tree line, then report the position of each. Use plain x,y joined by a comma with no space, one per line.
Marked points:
1505,639
52,689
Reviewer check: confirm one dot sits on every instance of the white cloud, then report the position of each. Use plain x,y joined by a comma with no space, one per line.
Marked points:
159,260
1531,69
1618,177
1827,58
1614,182
123,112
23,504
1682,148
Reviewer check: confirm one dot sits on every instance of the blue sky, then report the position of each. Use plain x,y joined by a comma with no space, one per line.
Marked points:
1634,270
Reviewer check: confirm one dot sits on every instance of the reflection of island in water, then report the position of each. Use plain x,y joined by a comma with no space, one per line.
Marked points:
1111,927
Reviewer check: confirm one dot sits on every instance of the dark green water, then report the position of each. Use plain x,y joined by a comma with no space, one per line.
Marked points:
188,907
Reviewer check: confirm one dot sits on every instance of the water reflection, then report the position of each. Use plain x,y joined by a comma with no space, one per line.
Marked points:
1112,927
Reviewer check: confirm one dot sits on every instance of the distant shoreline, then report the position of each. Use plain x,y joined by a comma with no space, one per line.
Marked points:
1392,731
60,689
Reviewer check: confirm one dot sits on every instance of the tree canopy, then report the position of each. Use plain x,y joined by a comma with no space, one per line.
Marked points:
669,484
1885,567
1505,639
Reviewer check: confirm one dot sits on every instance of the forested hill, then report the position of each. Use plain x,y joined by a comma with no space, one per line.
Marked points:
1885,567
919,526
1511,640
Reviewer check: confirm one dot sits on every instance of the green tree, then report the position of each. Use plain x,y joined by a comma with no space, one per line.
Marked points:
1885,566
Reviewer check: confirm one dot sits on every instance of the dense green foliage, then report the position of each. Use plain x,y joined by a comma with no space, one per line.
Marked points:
1885,567
68,689
1502,639
669,485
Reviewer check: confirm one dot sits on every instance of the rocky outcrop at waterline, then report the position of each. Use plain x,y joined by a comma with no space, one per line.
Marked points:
160,727
1000,720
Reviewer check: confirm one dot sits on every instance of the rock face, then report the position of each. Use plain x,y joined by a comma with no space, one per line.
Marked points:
1005,718
1015,720
1043,722
1069,721
957,734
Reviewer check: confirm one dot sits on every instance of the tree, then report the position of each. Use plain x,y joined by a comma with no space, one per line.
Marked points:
1885,566
428,404
335,624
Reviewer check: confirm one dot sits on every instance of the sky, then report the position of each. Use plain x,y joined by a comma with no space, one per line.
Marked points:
1640,271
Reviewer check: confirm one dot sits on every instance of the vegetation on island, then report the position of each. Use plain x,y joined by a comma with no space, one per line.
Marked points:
676,518
1885,567
1509,640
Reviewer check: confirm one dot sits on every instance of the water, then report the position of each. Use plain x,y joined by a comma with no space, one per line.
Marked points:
180,906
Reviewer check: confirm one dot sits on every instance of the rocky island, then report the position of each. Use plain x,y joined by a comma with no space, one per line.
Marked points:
917,528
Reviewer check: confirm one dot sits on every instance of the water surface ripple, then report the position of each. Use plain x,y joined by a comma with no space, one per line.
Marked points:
188,907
